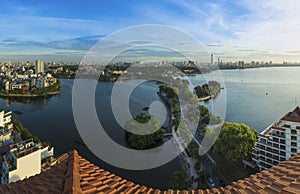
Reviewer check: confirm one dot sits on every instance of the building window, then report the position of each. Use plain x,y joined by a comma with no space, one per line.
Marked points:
262,140
282,141
294,144
282,153
293,150
275,139
294,132
294,138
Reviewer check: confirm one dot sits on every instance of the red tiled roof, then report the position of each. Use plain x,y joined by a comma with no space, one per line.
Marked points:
75,174
278,128
297,111
293,116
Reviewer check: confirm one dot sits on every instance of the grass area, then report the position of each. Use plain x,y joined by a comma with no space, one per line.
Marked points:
79,140
25,133
17,112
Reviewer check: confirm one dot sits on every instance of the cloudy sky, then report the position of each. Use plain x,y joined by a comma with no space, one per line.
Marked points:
260,30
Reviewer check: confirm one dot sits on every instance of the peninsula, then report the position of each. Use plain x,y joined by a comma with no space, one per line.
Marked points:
27,81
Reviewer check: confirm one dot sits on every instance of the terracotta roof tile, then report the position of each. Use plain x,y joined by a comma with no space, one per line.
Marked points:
75,174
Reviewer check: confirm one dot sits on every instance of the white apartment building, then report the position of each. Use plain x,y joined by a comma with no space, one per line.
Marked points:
6,136
24,160
279,141
5,119
6,133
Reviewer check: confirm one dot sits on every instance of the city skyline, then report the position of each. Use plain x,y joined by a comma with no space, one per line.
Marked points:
244,30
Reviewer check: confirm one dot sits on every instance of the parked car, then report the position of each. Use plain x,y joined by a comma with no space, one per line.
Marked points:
211,183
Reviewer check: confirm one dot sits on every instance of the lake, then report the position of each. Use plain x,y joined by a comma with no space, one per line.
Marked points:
256,97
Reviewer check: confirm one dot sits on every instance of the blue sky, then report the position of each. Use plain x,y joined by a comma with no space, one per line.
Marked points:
233,30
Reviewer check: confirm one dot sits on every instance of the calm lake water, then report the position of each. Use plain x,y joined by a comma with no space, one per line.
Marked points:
256,97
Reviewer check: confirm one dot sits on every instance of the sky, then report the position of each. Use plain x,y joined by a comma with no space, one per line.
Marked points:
249,30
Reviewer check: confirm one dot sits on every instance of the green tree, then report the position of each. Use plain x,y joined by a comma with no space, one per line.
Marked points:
193,149
204,115
25,133
202,179
235,141
179,180
212,88
141,142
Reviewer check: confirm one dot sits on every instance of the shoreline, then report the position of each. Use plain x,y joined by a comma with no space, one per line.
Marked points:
96,76
205,98
29,95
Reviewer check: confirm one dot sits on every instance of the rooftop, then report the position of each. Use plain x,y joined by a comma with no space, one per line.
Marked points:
24,148
74,174
293,116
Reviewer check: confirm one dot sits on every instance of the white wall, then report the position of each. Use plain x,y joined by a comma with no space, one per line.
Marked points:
27,166
1,119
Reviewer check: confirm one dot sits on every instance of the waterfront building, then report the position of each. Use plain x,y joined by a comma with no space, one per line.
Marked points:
23,160
25,81
6,136
5,119
39,66
279,141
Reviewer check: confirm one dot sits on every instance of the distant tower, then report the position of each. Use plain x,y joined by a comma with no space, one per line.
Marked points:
218,60
39,66
212,59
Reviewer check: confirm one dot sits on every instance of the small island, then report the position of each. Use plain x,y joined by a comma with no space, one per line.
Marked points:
208,91
143,142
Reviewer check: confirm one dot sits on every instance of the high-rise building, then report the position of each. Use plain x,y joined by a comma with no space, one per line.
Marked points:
279,141
39,66
212,59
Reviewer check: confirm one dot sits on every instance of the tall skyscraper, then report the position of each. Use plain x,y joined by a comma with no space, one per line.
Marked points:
212,59
39,66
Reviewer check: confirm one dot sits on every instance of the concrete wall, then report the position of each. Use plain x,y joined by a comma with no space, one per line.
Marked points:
27,166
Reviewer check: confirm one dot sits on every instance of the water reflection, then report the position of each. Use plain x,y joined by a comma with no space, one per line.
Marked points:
41,103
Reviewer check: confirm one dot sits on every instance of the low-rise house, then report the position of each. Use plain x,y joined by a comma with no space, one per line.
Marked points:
23,160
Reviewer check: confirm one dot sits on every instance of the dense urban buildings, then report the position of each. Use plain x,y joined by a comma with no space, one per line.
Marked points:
24,78
279,141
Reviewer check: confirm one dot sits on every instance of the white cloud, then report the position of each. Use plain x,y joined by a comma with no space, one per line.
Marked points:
245,29
271,25
47,28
